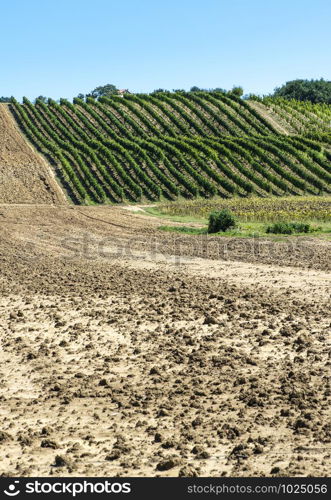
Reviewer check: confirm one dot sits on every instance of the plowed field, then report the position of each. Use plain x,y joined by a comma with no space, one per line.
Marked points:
133,352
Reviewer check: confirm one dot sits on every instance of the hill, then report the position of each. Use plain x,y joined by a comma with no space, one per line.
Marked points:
136,147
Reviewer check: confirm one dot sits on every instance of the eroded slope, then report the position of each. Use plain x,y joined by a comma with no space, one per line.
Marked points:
25,177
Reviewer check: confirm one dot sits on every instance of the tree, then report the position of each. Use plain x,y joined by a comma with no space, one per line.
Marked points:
252,97
5,99
161,91
238,91
41,98
220,221
81,96
199,89
305,90
103,91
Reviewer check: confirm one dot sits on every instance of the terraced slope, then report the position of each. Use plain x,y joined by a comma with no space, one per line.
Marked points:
189,144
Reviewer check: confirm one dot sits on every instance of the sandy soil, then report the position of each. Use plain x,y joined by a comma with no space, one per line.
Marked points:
25,177
127,351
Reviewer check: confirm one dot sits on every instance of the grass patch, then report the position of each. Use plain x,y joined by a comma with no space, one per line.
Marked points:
243,231
184,229
250,230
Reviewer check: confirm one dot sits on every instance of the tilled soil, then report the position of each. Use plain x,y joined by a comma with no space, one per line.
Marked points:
131,352
25,176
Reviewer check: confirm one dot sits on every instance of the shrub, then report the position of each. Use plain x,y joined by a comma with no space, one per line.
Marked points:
221,221
288,228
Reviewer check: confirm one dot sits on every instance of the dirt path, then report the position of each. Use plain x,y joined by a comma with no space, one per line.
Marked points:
25,176
124,353
268,115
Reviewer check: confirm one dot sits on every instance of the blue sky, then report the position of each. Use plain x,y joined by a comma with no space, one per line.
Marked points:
59,48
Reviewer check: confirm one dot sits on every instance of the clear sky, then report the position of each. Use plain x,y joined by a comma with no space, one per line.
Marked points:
59,48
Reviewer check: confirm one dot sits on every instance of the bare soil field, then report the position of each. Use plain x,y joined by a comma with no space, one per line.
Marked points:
128,351
25,177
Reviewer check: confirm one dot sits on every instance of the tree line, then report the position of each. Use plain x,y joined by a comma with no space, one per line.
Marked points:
315,91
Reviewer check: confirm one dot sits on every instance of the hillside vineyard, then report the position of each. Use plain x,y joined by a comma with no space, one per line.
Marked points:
165,145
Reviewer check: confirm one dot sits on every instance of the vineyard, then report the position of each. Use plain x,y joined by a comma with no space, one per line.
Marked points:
166,145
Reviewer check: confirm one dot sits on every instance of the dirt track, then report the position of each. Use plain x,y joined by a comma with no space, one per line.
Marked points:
269,115
133,352
25,177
